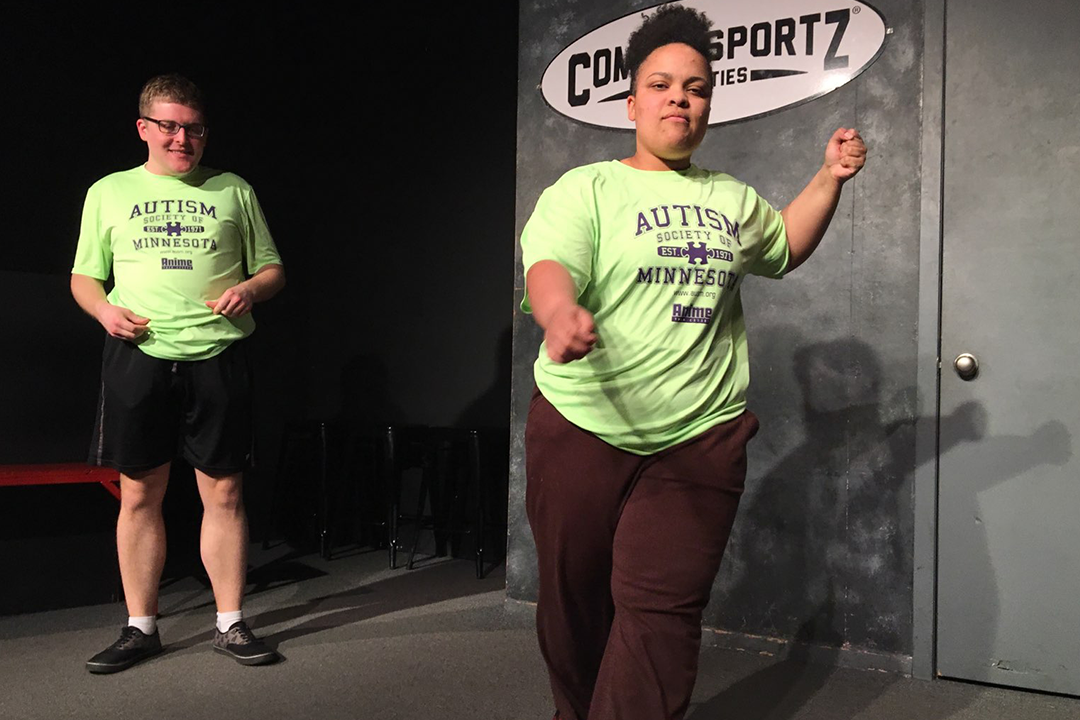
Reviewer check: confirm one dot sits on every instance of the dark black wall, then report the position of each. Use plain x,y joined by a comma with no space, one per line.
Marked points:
381,146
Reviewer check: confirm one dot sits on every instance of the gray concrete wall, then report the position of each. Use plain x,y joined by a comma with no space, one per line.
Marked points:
821,551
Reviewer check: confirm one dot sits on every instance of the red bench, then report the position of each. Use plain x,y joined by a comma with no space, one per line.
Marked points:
60,474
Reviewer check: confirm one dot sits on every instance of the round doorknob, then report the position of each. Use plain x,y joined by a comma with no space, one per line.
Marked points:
967,367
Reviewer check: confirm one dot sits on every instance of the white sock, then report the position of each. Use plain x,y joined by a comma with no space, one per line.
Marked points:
227,620
147,625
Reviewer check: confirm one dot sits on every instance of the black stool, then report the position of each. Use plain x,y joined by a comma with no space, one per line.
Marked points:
329,460
449,461
303,445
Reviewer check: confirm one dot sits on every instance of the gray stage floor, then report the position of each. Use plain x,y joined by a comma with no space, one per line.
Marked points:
361,641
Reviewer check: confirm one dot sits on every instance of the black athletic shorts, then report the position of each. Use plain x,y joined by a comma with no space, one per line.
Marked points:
152,410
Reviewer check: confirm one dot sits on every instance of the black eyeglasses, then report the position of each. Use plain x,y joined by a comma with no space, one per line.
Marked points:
171,127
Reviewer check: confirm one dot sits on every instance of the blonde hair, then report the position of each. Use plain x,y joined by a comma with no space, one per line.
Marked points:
174,88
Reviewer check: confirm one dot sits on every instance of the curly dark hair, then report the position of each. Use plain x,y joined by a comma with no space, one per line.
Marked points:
174,88
669,24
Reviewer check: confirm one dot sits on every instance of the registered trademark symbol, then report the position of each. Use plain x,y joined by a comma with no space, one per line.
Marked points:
856,10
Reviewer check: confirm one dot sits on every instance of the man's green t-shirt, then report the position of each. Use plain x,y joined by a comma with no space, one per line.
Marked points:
658,258
172,244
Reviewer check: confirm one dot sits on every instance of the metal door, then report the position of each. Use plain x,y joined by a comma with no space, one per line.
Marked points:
1009,487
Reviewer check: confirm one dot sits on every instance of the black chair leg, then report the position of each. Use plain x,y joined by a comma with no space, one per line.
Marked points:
324,471
393,485
425,488
440,490
481,520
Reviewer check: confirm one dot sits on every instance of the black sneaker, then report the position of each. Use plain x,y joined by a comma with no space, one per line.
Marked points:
132,647
241,645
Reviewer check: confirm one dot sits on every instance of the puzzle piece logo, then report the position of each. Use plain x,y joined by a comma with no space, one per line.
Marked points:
173,229
696,253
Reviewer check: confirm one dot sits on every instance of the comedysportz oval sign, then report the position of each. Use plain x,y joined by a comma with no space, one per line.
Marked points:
767,56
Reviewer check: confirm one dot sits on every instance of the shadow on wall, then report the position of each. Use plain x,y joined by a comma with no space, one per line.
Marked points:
828,527
968,623
821,553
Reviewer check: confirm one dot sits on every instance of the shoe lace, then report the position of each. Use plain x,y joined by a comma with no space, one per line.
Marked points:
243,633
128,637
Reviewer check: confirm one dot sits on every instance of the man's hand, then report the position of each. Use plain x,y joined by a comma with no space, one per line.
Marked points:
234,302
121,322
845,154
570,333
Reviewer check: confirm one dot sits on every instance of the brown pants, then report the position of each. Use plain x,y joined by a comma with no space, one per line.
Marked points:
628,548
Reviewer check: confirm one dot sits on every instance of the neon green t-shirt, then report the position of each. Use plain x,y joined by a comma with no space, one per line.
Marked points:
658,258
172,244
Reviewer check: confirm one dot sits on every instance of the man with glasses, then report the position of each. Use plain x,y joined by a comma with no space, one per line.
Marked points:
189,253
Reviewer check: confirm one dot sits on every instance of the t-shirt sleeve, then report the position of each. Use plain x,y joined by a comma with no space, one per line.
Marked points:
562,228
93,254
259,247
772,258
